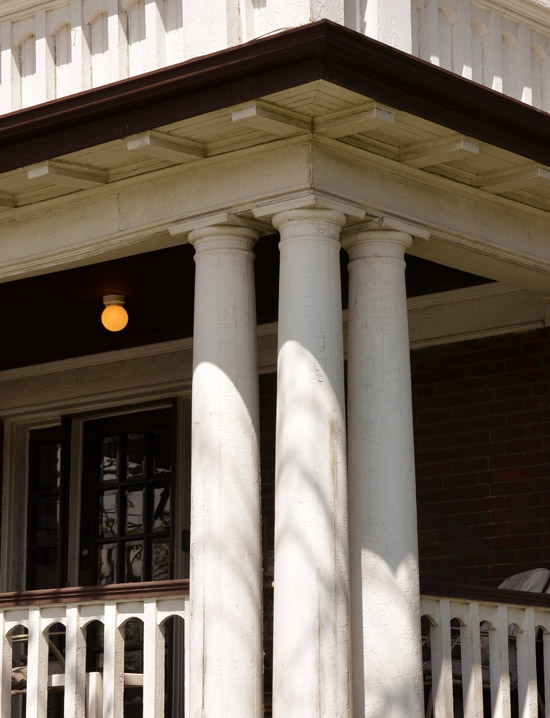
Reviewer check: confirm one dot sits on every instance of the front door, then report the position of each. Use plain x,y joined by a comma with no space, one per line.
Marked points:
126,524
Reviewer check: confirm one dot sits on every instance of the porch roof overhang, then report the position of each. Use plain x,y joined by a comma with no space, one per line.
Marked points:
320,84
391,133
319,51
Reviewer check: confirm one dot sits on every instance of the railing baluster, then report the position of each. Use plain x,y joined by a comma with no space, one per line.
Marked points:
546,661
442,669
5,668
37,667
153,662
527,666
472,683
113,664
90,695
75,665
499,666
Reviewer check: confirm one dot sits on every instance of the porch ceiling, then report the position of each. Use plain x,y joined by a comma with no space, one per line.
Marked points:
56,316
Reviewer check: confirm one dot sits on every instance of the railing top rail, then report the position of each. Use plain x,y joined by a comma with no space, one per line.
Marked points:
95,594
487,594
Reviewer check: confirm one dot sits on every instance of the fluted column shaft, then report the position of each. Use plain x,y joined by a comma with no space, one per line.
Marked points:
387,674
226,660
311,602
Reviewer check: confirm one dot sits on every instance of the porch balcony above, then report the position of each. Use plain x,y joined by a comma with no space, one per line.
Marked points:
54,49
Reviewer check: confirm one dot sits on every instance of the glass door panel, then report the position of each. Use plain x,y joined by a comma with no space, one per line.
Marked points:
43,545
127,485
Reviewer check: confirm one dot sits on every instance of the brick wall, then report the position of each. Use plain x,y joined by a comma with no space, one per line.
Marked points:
482,436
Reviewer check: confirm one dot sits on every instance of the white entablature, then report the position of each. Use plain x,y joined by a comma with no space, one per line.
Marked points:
53,49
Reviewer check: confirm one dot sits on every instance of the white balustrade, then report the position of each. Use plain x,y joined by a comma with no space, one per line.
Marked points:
479,650
55,49
87,694
502,44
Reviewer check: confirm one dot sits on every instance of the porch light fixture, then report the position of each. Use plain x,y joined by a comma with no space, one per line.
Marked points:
114,317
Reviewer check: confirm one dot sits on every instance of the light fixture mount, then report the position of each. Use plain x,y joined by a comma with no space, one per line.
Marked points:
114,317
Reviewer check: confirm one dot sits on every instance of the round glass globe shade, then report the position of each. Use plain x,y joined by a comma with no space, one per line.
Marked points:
114,317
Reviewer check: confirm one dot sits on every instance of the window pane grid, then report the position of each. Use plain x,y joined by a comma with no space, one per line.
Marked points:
134,499
44,508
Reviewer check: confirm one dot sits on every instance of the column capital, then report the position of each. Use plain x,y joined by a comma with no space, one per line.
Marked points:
223,236
365,241
219,220
308,215
382,229
310,199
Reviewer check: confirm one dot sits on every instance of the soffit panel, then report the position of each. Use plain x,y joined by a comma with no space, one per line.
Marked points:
218,134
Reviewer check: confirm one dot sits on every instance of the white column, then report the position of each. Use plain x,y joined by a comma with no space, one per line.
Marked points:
311,602
226,676
387,672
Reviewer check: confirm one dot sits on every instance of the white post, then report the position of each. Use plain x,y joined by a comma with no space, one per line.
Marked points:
226,675
113,664
389,22
5,669
37,666
311,602
153,662
387,670
75,665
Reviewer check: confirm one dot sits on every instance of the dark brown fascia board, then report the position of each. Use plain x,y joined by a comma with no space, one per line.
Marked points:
320,51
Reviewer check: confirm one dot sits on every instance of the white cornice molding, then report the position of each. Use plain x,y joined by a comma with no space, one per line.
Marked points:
481,334
473,313
478,291
531,10
145,350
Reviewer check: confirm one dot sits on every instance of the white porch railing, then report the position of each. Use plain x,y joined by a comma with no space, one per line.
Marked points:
101,692
503,44
493,649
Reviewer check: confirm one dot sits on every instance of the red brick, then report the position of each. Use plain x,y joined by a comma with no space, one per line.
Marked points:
507,382
435,469
508,406
509,542
513,473
523,364
475,414
525,417
490,503
537,457
511,351
510,392
489,368
506,460
530,444
491,457
471,465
